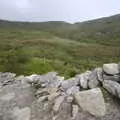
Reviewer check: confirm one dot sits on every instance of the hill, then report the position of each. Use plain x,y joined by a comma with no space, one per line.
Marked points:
27,48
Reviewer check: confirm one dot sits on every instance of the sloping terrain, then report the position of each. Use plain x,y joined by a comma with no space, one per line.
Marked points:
66,48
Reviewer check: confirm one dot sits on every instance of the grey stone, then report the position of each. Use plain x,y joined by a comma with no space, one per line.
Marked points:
100,74
73,90
21,114
91,101
112,87
83,78
32,78
75,110
7,78
43,98
21,80
42,92
52,96
58,103
119,66
69,99
55,82
111,68
49,80
47,77
8,96
111,77
69,83
93,80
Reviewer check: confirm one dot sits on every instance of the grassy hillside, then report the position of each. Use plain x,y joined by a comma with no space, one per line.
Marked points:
27,48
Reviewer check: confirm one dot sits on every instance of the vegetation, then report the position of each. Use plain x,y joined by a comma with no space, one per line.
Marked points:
27,48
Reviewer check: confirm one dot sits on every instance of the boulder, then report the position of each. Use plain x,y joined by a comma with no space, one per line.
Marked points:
75,110
99,74
111,77
6,78
53,96
21,114
93,80
42,92
83,78
42,99
32,78
91,101
58,103
69,99
112,87
111,68
69,83
73,90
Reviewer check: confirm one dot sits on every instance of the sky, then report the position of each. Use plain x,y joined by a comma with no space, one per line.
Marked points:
57,10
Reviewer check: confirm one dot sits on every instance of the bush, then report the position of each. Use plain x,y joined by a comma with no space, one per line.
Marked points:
14,60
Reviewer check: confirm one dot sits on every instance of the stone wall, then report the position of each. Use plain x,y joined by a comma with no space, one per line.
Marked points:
93,95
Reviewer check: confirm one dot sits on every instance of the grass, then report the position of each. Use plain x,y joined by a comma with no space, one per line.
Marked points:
48,52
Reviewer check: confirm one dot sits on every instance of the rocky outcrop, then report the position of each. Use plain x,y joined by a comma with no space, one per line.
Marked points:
50,97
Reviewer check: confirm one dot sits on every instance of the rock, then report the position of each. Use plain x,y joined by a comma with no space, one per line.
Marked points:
56,82
42,80
93,80
58,103
75,110
42,92
43,98
112,87
21,114
73,90
69,99
53,96
8,97
83,78
47,77
119,66
52,90
100,74
111,77
21,79
15,101
69,83
91,101
111,68
31,78
7,78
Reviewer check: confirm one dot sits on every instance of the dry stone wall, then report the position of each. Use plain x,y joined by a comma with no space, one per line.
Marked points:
93,95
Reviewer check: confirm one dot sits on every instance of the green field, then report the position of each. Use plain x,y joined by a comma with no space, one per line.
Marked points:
29,49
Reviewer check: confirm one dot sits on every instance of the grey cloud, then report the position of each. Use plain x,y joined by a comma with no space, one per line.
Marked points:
57,10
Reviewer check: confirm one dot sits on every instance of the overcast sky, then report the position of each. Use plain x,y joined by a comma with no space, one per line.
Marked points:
57,10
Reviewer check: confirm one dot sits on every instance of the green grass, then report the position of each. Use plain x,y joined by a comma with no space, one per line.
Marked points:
67,52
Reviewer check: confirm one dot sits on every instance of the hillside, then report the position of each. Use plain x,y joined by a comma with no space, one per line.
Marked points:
102,31
66,48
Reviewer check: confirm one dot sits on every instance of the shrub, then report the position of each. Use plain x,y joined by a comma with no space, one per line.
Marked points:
14,60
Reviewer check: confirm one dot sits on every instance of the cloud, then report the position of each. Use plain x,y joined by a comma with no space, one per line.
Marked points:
57,10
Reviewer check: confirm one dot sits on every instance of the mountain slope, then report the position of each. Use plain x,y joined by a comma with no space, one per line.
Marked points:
103,31
58,46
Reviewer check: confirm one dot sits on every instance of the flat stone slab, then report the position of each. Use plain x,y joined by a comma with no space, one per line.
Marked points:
91,101
111,68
